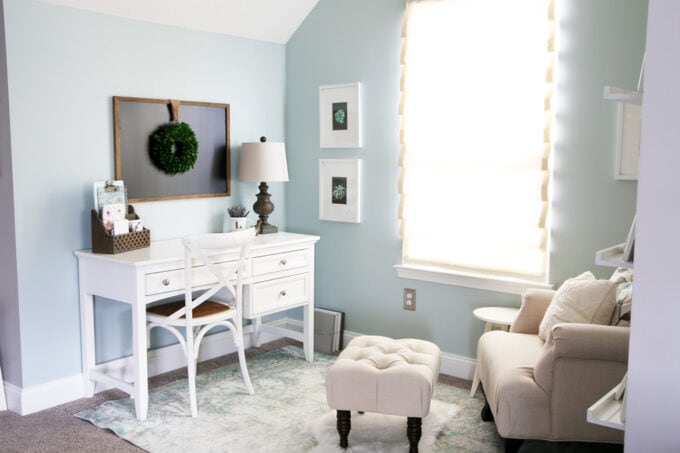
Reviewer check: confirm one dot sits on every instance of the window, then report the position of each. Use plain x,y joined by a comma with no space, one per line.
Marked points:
476,114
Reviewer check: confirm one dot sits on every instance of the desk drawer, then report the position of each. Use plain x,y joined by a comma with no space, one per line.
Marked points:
274,295
281,261
167,281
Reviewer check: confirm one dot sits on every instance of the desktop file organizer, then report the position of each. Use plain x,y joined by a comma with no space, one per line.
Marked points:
105,242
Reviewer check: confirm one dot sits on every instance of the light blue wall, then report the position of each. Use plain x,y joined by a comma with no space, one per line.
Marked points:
64,65
601,43
10,347
356,40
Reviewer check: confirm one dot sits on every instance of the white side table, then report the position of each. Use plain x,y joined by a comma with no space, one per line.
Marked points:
501,317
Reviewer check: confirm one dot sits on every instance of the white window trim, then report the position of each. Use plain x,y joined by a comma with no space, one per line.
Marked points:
468,280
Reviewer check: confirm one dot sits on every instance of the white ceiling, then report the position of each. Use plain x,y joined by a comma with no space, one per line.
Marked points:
263,20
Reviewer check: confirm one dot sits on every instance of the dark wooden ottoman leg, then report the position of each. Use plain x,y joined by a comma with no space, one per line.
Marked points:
513,445
486,414
413,432
344,425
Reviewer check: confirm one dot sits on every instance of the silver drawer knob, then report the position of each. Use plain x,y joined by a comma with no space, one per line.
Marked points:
166,282
283,262
282,293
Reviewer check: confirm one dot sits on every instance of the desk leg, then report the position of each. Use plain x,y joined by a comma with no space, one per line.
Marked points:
87,340
308,332
141,384
475,380
257,323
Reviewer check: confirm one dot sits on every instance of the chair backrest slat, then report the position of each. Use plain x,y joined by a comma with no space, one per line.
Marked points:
199,247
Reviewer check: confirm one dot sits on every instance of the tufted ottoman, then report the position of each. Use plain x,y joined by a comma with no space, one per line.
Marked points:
383,375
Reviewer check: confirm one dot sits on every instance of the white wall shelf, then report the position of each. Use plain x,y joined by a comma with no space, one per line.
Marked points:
612,93
612,257
607,411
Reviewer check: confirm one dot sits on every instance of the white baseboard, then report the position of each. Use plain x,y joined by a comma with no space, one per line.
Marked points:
458,366
35,398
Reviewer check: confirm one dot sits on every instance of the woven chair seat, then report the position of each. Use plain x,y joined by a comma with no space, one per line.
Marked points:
207,308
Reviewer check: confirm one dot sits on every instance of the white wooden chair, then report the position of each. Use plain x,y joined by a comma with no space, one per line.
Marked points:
214,304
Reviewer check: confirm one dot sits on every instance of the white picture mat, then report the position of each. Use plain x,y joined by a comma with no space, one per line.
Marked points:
328,94
350,169
628,146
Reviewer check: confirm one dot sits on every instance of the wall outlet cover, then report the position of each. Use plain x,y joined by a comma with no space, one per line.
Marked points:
409,299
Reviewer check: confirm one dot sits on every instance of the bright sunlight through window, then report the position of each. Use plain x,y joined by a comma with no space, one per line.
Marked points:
476,91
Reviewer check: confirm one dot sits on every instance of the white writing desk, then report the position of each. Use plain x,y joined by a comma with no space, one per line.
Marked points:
280,276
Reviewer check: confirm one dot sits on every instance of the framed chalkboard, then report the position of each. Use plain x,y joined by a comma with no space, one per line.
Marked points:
136,119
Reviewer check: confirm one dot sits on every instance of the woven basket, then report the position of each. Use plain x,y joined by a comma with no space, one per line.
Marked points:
105,242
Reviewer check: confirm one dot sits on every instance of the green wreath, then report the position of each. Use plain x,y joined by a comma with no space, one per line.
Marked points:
174,148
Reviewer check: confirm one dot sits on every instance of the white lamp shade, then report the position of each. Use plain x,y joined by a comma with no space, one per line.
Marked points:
263,161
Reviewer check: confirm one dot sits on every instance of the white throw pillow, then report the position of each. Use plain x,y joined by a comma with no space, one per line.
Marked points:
582,299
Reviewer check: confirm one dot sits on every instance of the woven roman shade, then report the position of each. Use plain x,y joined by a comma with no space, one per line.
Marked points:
475,137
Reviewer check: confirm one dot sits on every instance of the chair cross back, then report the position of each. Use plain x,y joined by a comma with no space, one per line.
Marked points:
195,247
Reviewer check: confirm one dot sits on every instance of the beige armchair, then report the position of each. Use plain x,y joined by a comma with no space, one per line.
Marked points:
541,390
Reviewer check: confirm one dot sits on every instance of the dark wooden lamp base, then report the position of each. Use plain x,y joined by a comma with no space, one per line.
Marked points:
264,207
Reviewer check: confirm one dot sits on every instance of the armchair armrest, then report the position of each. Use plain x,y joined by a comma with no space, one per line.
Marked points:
589,346
534,304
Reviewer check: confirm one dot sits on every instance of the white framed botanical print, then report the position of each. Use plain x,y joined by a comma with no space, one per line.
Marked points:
340,190
340,116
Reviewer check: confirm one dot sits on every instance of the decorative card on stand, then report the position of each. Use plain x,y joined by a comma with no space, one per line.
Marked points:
112,213
121,226
109,192
136,225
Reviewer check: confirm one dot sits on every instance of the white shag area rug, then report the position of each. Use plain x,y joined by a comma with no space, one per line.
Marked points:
381,433
288,413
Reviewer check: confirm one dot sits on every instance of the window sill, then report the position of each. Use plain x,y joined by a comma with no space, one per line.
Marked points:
477,281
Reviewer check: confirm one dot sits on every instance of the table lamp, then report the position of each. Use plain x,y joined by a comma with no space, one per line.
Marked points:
263,161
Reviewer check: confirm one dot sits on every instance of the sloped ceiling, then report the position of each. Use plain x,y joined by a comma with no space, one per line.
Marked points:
264,20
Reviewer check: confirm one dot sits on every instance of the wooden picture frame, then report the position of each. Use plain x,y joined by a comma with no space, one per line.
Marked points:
340,116
136,119
340,190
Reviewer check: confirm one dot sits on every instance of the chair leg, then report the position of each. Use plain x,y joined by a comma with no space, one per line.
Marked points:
191,374
238,339
413,432
344,424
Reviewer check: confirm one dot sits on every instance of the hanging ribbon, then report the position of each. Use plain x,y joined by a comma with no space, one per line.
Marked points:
174,108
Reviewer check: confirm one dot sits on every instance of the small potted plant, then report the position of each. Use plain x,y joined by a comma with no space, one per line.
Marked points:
238,218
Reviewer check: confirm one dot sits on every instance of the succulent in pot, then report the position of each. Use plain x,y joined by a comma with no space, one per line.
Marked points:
238,211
